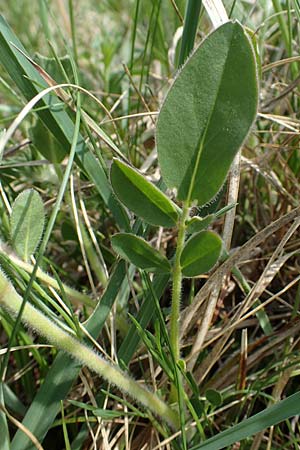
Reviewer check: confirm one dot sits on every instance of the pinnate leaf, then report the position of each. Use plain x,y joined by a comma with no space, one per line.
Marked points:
200,253
141,196
207,114
27,223
137,251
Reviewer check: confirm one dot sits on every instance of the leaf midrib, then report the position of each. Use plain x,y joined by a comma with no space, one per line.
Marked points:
202,138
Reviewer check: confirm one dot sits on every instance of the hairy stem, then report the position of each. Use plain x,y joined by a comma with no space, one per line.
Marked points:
74,296
177,284
63,340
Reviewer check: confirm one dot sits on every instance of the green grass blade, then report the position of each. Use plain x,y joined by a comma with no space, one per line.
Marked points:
12,401
44,18
64,371
267,418
56,119
144,317
191,18
3,424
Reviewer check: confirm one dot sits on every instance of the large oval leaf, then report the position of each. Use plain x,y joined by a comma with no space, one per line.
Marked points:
137,251
200,254
141,196
27,223
207,114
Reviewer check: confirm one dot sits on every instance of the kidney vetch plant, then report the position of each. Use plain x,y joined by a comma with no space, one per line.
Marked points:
202,124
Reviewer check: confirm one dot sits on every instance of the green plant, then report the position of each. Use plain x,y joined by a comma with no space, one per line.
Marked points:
203,122
203,249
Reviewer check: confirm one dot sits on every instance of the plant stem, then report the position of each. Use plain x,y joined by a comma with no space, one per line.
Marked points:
73,295
51,221
177,284
63,340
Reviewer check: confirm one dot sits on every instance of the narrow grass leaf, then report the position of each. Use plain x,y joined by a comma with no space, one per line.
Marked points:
27,223
100,412
138,252
54,117
106,414
86,355
44,141
65,429
144,316
207,114
201,253
191,18
5,440
12,401
2,132
64,371
141,196
270,416
59,68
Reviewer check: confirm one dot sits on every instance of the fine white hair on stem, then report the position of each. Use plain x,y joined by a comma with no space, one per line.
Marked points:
63,340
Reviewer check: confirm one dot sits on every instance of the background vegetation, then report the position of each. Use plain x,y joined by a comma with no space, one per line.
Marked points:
126,53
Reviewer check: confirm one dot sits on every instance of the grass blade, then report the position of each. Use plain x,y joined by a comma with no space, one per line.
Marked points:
56,119
64,370
271,416
144,317
191,18
3,423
